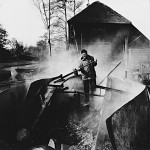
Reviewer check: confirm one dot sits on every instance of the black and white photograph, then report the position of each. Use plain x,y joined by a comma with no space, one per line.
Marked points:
74,74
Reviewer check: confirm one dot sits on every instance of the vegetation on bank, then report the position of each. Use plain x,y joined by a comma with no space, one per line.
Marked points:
54,14
13,50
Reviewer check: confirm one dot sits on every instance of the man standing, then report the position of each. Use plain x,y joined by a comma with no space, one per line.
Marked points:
88,73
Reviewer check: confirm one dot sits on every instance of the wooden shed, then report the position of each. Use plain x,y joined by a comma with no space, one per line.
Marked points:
99,23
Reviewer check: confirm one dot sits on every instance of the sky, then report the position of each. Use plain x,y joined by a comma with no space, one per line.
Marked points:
22,20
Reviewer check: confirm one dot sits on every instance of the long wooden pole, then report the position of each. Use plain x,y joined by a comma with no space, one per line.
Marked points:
110,72
76,70
74,8
126,56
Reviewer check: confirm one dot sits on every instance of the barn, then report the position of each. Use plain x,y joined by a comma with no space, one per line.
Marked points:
99,24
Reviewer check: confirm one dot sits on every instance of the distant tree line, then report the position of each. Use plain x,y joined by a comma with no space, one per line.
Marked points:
13,50
3,41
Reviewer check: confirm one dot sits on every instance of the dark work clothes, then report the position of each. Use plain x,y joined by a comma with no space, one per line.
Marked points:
88,75
87,68
89,85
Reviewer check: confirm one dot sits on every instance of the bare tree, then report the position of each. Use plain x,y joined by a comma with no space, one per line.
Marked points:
46,9
55,14
66,9
75,6
17,48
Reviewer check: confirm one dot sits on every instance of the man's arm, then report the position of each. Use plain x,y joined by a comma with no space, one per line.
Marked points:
81,68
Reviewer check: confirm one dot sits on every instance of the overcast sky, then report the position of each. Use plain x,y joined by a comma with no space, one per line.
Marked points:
22,20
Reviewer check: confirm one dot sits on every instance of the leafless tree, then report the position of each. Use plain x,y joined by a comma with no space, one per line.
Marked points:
55,14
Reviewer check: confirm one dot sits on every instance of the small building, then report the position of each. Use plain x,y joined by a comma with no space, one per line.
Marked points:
102,25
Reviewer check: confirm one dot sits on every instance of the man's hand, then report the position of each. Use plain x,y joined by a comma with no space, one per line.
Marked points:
75,72
95,62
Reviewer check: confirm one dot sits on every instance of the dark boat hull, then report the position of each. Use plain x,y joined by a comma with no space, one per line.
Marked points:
129,127
124,122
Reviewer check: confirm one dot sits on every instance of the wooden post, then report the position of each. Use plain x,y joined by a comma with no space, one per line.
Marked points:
49,30
126,56
58,145
74,7
81,41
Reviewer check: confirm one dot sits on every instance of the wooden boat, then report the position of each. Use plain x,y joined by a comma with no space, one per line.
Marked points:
32,114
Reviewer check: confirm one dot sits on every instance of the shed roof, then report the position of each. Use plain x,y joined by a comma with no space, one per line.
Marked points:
98,12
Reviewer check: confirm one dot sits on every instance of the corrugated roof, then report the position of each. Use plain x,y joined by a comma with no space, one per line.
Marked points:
98,12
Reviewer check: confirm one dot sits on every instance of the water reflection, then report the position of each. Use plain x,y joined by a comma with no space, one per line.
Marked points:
19,74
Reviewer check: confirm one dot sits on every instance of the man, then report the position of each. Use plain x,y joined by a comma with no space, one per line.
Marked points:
88,73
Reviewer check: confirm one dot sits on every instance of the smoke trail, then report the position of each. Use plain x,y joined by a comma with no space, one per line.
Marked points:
63,63
102,51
